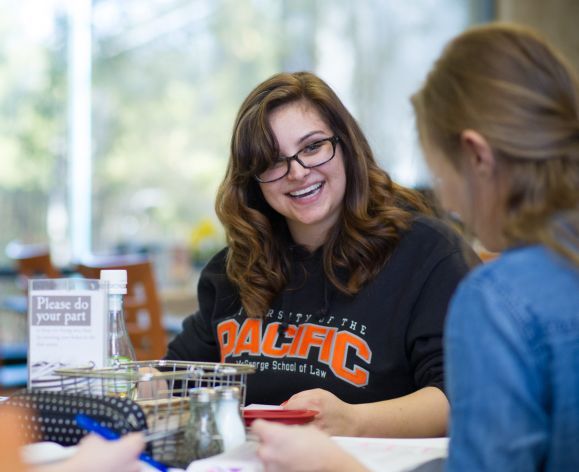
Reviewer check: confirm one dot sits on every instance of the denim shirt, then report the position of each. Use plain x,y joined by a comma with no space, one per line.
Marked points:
512,365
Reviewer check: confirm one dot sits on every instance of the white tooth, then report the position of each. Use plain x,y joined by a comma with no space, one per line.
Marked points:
306,190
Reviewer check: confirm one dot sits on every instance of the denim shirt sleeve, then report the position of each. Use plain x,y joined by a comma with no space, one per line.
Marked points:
494,381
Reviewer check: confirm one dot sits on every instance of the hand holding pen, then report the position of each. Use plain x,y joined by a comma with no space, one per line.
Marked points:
88,423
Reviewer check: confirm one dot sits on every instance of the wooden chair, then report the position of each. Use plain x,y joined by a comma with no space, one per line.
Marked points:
142,306
32,260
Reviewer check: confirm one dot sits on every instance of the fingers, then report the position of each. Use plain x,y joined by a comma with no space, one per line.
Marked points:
132,443
96,454
285,448
268,434
92,440
152,388
266,430
306,400
259,425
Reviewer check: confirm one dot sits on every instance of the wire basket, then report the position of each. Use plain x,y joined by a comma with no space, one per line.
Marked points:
161,389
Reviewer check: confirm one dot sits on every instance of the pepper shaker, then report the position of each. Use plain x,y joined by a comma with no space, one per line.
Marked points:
201,437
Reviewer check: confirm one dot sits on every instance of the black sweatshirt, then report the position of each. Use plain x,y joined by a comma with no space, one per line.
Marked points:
383,343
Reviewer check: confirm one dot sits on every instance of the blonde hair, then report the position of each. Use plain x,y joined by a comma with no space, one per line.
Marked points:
507,83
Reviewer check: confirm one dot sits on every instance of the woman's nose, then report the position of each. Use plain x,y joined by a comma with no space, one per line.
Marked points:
297,171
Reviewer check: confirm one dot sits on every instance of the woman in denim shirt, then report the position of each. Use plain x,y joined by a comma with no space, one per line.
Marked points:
498,119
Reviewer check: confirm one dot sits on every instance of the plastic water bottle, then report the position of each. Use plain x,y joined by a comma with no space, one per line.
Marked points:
119,350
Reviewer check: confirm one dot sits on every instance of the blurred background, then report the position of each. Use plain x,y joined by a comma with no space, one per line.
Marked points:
116,115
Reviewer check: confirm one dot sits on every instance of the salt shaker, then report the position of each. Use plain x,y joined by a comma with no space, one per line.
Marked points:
201,437
228,416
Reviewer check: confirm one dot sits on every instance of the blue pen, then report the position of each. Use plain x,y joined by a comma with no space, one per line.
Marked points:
88,423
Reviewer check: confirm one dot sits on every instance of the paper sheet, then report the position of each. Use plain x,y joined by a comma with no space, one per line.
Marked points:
379,455
241,459
394,455
259,406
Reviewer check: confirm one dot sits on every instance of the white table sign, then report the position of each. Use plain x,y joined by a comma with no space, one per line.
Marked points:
67,327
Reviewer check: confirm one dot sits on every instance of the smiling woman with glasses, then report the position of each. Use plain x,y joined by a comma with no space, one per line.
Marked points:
334,283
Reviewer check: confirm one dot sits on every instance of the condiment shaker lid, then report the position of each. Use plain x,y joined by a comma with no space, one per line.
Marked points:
225,392
117,280
202,394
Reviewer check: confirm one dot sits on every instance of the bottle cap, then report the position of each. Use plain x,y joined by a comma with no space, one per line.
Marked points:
202,394
117,280
227,393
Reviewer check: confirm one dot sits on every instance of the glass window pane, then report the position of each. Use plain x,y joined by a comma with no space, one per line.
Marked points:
32,120
167,78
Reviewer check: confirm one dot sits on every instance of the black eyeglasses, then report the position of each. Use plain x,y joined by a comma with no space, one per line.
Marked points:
312,155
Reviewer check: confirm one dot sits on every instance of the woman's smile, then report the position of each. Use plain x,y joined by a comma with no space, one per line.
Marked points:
309,191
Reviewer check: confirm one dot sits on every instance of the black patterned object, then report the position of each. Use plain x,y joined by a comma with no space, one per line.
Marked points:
50,416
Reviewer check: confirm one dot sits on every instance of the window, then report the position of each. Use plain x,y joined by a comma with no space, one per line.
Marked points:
33,122
165,79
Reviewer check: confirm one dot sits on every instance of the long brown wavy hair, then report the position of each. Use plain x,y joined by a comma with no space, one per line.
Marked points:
374,214
507,83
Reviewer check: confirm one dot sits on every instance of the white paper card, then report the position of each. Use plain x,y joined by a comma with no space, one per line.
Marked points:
67,327
394,454
240,459
377,454
261,406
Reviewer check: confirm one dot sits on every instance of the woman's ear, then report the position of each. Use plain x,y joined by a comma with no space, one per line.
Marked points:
479,154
